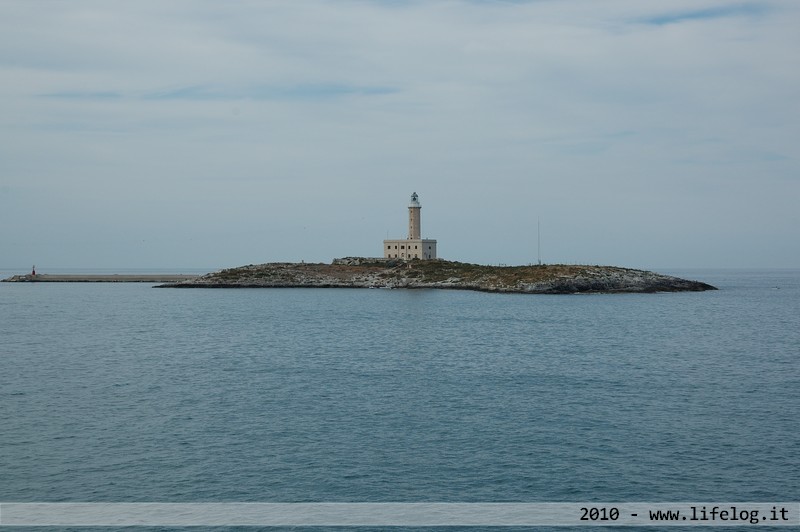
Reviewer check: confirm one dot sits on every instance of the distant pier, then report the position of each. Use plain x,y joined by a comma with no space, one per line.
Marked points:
105,278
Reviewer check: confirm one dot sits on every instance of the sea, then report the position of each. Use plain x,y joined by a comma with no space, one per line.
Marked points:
121,392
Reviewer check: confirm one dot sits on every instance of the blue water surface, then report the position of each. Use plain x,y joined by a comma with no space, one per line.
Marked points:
126,393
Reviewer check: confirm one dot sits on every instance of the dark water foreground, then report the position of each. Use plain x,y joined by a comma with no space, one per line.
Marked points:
116,392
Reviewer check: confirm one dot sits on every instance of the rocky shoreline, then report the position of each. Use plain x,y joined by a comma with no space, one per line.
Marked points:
355,272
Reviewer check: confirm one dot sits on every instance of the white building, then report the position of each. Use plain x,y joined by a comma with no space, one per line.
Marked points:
413,247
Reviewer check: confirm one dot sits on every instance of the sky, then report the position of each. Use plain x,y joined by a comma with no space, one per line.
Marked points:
204,134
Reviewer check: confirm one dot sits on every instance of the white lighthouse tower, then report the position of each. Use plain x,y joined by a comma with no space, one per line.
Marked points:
413,247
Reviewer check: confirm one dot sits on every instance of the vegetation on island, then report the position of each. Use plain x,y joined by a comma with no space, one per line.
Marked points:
356,272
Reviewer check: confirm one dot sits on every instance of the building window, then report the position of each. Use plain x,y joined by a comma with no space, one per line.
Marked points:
388,247
402,247
415,246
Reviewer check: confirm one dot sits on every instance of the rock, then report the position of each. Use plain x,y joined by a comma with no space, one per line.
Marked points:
361,272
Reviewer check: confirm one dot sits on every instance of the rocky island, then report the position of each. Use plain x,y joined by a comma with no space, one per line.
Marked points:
355,272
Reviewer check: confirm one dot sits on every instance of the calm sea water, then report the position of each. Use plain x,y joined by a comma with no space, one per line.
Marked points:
125,393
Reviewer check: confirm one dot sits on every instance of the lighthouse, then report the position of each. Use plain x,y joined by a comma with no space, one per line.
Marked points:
414,209
413,247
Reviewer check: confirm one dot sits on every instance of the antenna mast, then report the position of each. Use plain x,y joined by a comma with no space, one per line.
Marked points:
538,241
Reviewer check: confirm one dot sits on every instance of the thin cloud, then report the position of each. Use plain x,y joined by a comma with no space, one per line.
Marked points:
320,91
741,10
83,95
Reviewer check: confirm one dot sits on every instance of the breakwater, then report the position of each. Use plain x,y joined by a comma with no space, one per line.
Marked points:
100,278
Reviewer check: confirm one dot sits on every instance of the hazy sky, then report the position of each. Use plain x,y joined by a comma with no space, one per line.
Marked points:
206,134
